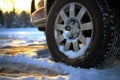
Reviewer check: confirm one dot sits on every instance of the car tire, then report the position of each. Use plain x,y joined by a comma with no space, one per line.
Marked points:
82,33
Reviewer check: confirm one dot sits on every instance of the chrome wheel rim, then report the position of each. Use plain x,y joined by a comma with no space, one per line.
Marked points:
73,30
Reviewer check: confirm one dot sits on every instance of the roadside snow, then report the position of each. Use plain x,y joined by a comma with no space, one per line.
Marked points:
22,33
21,37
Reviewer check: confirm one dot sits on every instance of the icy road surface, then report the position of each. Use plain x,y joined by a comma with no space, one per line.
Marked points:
35,64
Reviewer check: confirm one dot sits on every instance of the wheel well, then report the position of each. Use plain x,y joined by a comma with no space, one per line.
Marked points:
49,4
32,6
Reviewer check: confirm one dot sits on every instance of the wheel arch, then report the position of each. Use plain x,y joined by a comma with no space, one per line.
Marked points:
49,3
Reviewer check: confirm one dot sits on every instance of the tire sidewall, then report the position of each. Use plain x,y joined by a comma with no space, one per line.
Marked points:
90,55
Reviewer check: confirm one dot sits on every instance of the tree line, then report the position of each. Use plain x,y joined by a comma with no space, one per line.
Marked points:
13,20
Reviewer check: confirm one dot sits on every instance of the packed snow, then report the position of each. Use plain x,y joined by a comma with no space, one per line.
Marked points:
26,36
72,54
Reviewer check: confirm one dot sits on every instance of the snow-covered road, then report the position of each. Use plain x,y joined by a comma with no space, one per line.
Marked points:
39,66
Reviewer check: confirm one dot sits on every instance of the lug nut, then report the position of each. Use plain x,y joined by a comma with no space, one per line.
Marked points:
68,28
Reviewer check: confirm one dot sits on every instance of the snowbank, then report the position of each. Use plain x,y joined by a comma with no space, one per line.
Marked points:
66,72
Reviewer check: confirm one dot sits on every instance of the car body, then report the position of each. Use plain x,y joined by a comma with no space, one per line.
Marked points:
83,33
39,16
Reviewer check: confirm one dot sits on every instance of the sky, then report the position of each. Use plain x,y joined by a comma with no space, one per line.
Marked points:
19,5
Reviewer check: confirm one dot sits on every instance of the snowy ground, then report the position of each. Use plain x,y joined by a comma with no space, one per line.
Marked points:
21,37
37,64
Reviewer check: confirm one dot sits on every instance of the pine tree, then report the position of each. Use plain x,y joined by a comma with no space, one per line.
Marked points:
1,18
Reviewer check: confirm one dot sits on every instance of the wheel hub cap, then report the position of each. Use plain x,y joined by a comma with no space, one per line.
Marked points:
73,29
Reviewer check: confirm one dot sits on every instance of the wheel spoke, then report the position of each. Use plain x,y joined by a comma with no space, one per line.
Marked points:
82,39
60,38
67,46
87,26
59,27
63,15
75,45
73,29
72,9
81,13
